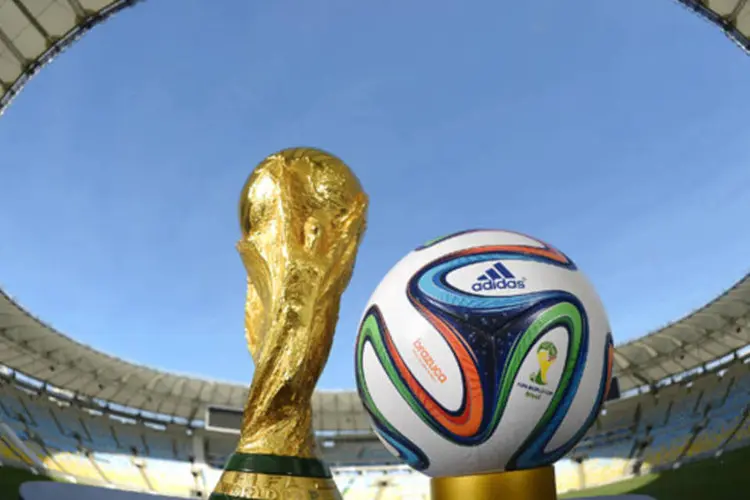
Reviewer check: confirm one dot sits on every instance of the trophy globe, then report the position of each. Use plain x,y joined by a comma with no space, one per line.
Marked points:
482,358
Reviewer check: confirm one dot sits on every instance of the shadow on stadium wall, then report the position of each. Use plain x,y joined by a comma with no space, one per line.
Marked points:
730,16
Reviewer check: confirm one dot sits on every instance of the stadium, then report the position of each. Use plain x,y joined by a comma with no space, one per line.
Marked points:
71,413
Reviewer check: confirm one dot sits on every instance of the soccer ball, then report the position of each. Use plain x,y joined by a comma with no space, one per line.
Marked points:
483,351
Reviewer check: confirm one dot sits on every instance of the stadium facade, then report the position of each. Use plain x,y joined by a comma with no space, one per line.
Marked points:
70,411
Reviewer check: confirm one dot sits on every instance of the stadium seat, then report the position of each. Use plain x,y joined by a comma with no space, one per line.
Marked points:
69,420
100,430
160,445
567,477
169,477
718,429
120,470
129,437
78,466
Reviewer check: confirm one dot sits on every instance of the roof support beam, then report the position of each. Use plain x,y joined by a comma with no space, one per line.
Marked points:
622,361
34,22
74,364
13,49
676,360
152,383
650,350
78,9
677,342
181,392
628,361
735,14
14,363
719,341
643,379
738,336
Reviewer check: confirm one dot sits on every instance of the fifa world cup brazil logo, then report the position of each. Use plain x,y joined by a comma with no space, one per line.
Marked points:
546,354
302,216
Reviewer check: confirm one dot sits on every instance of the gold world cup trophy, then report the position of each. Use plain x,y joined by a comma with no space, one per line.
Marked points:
302,214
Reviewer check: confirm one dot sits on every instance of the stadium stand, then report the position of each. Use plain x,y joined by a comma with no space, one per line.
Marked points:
568,475
74,413
696,417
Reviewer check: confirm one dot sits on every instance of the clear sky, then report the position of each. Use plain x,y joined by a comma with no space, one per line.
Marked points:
617,131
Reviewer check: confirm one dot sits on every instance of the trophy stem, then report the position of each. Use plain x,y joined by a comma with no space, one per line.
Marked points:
530,484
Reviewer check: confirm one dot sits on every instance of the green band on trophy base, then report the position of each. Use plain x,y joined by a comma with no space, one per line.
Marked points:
222,496
278,465
261,477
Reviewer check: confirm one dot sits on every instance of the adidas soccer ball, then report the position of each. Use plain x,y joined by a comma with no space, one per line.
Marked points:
483,351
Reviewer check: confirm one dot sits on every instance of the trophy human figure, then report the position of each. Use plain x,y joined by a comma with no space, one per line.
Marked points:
302,216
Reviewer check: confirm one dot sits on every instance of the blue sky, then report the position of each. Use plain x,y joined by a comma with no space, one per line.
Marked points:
615,130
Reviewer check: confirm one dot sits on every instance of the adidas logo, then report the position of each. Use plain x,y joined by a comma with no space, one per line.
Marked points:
497,277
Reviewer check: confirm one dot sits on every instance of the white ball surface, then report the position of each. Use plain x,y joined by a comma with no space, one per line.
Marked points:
483,351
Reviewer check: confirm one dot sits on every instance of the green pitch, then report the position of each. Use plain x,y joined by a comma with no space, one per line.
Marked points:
11,479
726,478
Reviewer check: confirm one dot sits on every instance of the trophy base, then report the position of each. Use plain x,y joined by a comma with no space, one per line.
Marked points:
530,484
256,477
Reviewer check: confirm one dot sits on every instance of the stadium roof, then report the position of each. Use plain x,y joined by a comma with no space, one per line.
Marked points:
718,329
33,32
731,16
